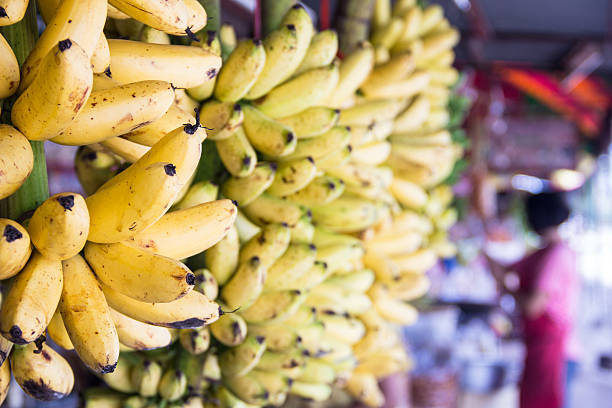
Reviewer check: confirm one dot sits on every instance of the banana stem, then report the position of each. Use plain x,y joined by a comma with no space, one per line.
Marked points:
353,23
272,13
22,36
213,10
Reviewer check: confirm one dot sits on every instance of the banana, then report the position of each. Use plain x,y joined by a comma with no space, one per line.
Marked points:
245,286
210,42
153,36
382,13
371,111
321,51
302,231
17,160
385,362
385,269
126,150
146,377
320,191
332,141
31,300
358,281
409,286
246,229
248,389
181,65
412,24
274,306
317,274
285,49
206,283
340,256
361,135
191,311
222,258
41,372
295,262
95,167
139,335
267,245
395,311
172,385
57,94
11,12
267,209
418,261
227,38
386,36
198,193
100,58
397,68
311,122
58,333
5,381
317,371
323,237
195,341
237,154
230,329
227,399
278,337
299,93
15,248
365,387
354,69
432,16
371,155
240,71
244,190
151,133
381,55
222,118
239,360
119,379
347,214
183,233
292,176
5,348
9,68
413,117
404,88
267,135
177,18
275,384
437,43
312,391
425,155
394,243
441,137
409,194
59,226
116,111
345,329
334,158
328,299
211,369
289,363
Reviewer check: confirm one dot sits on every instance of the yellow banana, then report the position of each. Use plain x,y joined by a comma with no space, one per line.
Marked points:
240,71
230,329
11,12
409,286
432,16
345,329
320,191
437,43
290,363
382,13
365,387
172,385
146,377
245,286
413,116
372,111
222,118
87,317
31,300
354,69
315,275
302,231
100,58
361,135
409,194
317,147
151,133
227,38
209,41
227,399
41,372
5,381
139,335
58,333
371,155
184,233
190,311
246,189
425,155
237,154
391,309
245,227
280,337
329,300
299,93
267,135
292,176
295,262
119,379
59,226
317,371
195,341
274,307
222,258
404,88
334,158
340,256
140,274
9,68
358,281
394,243
347,214
153,36
285,49
116,111
15,248
17,160
247,389
198,193
386,36
183,66
267,245
397,68
186,102
384,268
441,137
126,150
412,23
321,51
239,360
275,384
57,94
312,391
323,237
311,122
177,18
267,209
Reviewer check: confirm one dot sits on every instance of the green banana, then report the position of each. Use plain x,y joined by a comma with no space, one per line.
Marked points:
243,190
322,190
222,258
296,261
172,385
221,119
238,74
245,286
267,135
311,122
302,231
274,306
230,329
239,360
206,283
195,341
268,245
146,377
292,176
237,154
267,209
347,214
331,141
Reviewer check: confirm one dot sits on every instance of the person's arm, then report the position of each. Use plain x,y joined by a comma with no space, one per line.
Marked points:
532,304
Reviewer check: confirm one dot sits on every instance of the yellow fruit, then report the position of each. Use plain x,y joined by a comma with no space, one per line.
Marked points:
9,69
16,160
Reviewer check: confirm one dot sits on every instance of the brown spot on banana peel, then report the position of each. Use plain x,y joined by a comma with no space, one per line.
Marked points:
11,233
16,335
109,368
67,202
41,391
192,323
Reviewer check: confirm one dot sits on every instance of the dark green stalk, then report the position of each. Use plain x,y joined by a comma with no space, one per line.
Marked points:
353,23
22,37
213,9
272,13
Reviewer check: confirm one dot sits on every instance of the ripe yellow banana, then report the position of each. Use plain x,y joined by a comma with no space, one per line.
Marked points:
413,117
354,69
246,229
340,256
153,36
87,317
172,385
409,194
328,299
347,214
297,260
9,69
334,158
404,88
139,335
292,176
82,22
58,333
191,311
15,248
311,122
221,118
382,13
321,51
116,111
222,258
16,162
317,371
100,59
365,387
195,341
290,363
41,372
371,111
198,193
184,233
299,93
246,189
267,209
206,283
239,360
57,94
397,68
151,133
183,66
59,227
315,275
386,36
317,147
209,41
230,329
437,43
11,12
5,381
126,150
303,230
394,243
320,191
237,154
324,237
312,391
432,16
358,281
268,245
392,309
371,155
274,307
240,71
245,286
31,300
267,135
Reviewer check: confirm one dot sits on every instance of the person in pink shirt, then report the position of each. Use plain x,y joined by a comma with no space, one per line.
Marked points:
546,299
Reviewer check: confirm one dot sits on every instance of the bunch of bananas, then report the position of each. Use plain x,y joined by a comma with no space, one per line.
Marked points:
105,271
